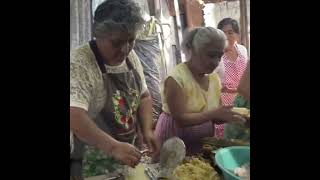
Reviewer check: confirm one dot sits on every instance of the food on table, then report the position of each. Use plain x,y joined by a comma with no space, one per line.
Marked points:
195,169
243,111
137,173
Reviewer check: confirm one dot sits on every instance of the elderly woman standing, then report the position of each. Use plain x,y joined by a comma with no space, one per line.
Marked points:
109,100
191,96
232,66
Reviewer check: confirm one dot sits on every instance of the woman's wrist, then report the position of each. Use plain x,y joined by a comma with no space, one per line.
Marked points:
107,144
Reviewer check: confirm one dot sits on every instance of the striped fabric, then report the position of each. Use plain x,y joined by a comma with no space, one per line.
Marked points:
191,136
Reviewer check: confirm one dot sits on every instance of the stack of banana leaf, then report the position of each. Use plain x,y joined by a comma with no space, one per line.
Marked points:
217,143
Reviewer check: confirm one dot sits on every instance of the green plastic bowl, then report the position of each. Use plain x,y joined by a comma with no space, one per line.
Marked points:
230,158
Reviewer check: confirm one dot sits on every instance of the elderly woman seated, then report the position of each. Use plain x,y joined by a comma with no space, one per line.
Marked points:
191,95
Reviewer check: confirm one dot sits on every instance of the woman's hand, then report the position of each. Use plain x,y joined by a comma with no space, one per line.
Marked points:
224,114
226,89
152,142
126,153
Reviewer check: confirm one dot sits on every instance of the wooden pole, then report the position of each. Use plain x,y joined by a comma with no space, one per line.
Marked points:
179,29
244,23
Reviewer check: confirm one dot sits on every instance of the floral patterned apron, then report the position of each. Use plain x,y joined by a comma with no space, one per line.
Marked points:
119,114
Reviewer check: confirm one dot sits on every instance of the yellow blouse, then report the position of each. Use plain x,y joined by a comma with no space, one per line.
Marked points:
198,100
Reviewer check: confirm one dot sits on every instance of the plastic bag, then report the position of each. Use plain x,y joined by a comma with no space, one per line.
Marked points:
243,172
148,52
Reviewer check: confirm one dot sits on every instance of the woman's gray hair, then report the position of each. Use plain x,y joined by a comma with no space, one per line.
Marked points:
117,15
199,37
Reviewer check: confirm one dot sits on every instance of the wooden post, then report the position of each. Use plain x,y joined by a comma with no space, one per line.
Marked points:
244,23
91,19
151,5
194,13
179,29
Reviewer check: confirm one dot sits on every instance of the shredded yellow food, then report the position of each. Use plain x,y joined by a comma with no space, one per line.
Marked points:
195,170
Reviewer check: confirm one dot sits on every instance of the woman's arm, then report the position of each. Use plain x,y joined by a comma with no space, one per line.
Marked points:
176,103
145,115
85,129
244,86
145,112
